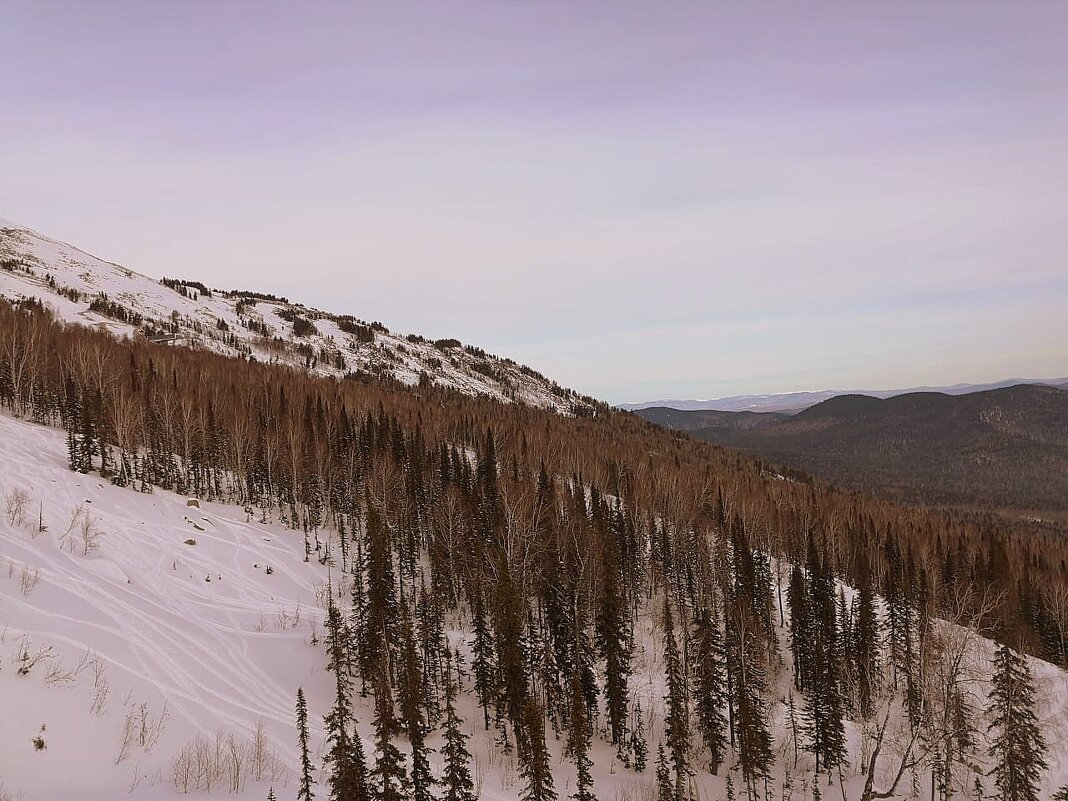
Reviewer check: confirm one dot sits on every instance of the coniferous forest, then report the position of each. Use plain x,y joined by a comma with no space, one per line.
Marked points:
494,549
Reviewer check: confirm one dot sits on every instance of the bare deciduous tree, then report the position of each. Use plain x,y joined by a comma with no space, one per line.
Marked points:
15,503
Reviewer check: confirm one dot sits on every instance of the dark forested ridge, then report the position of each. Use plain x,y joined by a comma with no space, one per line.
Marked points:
997,450
699,419
549,536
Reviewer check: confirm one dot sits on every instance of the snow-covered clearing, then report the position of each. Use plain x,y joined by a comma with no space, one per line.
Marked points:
201,630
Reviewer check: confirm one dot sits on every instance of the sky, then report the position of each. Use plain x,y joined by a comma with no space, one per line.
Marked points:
641,199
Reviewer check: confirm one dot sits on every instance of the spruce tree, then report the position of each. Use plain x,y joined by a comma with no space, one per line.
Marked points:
867,641
510,618
388,775
611,639
800,628
579,742
345,750
412,701
482,648
456,778
824,713
304,791
639,748
676,723
381,596
665,791
1018,748
534,765
748,683
711,687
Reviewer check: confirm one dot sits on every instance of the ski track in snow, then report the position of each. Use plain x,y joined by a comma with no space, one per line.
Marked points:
142,602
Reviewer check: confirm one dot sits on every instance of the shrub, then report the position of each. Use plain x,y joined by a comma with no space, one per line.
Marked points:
302,327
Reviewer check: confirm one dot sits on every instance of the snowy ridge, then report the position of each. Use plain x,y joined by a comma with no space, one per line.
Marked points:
267,328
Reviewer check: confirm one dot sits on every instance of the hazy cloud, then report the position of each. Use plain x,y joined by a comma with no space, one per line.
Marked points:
639,199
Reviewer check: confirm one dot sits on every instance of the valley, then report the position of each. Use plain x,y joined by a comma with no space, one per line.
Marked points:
1002,451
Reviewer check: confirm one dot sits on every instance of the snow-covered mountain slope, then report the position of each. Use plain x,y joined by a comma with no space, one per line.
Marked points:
140,634
132,605
82,288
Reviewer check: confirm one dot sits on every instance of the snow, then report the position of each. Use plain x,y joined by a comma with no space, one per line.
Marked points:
201,628
205,632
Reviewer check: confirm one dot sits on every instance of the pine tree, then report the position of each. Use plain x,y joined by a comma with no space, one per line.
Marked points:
1018,748
304,792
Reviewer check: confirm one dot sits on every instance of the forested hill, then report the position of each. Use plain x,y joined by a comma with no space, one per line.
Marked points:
999,450
245,322
547,543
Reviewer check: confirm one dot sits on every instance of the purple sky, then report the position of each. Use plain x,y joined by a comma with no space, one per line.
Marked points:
642,200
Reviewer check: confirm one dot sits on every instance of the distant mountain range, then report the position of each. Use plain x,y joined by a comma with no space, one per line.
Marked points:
796,401
1003,450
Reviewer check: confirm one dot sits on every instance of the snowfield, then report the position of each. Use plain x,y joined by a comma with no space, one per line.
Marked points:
198,636
138,631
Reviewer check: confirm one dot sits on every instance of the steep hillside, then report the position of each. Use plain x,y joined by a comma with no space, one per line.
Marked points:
593,592
181,310
616,611
154,648
122,611
1003,449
